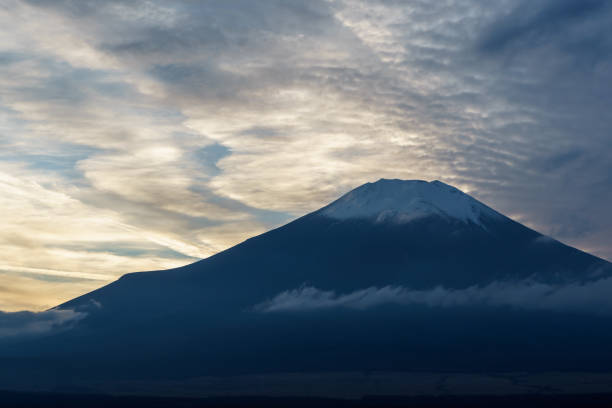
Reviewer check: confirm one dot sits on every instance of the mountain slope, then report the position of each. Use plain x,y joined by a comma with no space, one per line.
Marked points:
394,275
332,248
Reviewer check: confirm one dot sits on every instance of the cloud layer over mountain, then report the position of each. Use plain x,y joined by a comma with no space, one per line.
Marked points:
20,324
591,297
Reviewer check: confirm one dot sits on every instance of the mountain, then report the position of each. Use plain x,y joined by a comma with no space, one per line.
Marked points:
393,276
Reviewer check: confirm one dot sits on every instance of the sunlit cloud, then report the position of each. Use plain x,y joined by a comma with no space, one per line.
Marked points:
23,291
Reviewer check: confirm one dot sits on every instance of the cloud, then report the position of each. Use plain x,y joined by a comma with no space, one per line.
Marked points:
21,324
534,21
24,291
590,297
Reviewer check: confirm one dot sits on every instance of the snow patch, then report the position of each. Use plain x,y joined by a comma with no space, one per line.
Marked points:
405,200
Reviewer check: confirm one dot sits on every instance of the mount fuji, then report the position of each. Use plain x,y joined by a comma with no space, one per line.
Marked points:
394,276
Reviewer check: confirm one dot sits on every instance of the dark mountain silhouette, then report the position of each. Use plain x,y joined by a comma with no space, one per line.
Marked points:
393,276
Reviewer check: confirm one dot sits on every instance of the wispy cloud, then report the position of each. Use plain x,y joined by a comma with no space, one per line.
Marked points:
591,297
23,324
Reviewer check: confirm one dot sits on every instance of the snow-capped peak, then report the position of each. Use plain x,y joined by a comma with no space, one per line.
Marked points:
405,200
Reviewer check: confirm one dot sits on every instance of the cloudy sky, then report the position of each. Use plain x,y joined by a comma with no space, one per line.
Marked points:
139,135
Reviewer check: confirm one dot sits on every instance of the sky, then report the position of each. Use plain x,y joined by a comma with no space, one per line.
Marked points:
142,135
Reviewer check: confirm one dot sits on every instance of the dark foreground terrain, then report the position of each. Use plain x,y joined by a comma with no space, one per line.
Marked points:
34,400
